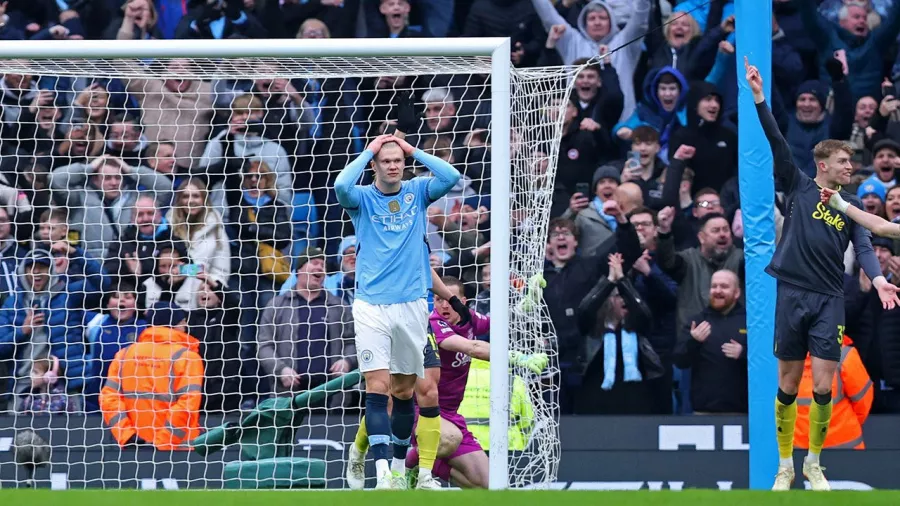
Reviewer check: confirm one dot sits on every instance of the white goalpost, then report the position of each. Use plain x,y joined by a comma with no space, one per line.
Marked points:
102,129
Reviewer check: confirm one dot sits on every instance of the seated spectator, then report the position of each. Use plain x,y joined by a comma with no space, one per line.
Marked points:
174,280
44,318
595,28
306,335
100,196
153,390
663,107
138,21
620,367
201,228
693,268
47,394
118,325
215,323
852,396
713,344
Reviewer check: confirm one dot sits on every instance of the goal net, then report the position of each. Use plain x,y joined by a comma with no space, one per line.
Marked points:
174,257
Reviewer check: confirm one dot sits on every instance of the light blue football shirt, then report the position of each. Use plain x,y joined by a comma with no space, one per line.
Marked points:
391,254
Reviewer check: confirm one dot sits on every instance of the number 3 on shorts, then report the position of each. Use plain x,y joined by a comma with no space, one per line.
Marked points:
841,329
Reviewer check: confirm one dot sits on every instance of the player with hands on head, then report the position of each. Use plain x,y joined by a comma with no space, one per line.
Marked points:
809,266
393,276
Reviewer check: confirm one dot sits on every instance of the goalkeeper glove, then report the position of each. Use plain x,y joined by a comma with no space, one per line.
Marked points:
461,309
535,363
408,118
534,292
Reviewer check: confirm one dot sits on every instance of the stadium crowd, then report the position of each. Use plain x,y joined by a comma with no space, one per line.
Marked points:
206,206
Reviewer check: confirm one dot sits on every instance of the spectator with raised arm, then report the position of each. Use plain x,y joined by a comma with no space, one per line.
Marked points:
100,196
595,27
138,21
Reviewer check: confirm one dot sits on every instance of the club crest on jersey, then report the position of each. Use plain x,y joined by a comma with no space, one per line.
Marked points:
408,198
366,356
394,206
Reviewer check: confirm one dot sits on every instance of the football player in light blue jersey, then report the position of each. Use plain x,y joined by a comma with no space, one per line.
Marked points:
393,277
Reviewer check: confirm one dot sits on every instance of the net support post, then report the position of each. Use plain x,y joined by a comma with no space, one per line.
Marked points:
500,260
757,188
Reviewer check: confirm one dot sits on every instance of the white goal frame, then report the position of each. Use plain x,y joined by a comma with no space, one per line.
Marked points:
498,49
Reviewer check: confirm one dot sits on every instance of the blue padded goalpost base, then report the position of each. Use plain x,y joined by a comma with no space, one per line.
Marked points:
754,40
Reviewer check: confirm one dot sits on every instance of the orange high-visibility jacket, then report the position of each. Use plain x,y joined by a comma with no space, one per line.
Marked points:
154,390
852,396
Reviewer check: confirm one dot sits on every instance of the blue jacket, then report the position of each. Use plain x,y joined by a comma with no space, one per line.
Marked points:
10,255
64,321
649,112
106,337
865,55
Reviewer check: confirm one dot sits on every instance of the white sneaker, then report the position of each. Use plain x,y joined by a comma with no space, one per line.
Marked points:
356,468
385,481
813,472
428,483
784,479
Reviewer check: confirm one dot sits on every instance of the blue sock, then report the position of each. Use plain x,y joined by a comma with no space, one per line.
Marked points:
402,419
378,425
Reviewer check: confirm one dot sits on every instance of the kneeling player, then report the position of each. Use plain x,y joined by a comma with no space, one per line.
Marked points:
467,465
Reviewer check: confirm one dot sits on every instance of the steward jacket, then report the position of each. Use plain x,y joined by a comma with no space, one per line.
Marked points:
154,390
852,396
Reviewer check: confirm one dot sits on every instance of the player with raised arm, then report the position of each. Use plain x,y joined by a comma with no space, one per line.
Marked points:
393,277
873,222
462,460
808,264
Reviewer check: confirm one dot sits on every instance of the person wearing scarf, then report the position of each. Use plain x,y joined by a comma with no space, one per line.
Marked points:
620,365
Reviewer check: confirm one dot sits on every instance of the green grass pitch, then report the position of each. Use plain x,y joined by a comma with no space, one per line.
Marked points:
450,498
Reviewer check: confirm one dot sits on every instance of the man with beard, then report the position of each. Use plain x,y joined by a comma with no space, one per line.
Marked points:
808,263
693,268
713,345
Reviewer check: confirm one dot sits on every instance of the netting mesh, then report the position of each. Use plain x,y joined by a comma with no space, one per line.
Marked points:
196,197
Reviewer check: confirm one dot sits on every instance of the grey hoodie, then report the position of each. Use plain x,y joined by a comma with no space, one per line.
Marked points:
576,44
38,344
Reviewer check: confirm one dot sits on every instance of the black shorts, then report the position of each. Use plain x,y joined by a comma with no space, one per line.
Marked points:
432,357
807,321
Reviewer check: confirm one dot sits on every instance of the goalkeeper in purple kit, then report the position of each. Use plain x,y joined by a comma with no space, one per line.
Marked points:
460,456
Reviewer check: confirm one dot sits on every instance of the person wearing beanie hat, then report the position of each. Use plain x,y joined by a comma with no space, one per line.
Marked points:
811,123
341,283
873,195
167,314
587,211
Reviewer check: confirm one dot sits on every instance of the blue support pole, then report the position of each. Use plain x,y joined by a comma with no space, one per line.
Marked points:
754,40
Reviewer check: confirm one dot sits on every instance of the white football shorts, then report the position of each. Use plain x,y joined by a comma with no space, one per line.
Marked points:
391,336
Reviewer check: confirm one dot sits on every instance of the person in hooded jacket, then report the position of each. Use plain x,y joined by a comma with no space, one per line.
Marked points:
215,324
715,148
44,318
598,27
663,107
811,123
